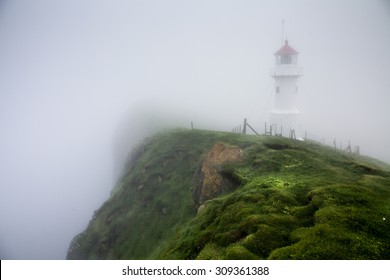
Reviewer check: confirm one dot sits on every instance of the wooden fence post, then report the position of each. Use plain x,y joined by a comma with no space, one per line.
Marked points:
357,150
244,129
348,148
293,134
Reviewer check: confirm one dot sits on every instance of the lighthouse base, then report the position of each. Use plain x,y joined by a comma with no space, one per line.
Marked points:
286,124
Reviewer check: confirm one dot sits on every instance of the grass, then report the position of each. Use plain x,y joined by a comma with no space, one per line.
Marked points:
294,200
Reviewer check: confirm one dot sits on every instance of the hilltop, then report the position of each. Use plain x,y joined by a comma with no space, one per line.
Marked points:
194,194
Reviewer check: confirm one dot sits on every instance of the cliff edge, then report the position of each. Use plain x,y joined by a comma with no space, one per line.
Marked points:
193,194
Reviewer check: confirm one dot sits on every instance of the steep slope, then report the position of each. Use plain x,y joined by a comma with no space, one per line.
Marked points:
190,194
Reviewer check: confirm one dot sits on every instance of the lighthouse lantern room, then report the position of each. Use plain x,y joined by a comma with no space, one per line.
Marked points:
285,116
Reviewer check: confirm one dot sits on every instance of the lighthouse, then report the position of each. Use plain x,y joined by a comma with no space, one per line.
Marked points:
284,117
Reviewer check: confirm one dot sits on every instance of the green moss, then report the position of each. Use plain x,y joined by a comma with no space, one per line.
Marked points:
266,239
327,242
238,252
211,252
291,200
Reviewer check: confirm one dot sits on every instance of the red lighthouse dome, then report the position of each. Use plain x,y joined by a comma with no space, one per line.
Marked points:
286,55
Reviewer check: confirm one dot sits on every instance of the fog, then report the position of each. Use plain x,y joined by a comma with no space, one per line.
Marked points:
78,77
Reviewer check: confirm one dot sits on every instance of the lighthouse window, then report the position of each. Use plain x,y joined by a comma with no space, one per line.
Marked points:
278,60
286,59
277,89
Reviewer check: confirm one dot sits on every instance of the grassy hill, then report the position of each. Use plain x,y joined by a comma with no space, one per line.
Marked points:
282,199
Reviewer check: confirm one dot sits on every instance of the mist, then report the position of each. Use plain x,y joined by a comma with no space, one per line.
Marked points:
83,81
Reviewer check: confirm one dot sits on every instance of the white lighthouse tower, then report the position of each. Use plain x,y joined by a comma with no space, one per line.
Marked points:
285,116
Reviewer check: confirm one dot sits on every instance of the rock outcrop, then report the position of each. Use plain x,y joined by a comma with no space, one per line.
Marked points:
209,182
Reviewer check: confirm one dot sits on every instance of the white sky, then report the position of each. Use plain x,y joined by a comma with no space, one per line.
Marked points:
71,70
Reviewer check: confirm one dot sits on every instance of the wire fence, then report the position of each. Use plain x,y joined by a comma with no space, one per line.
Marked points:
270,130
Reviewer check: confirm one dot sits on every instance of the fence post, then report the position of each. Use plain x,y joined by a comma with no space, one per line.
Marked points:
244,129
357,150
348,149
